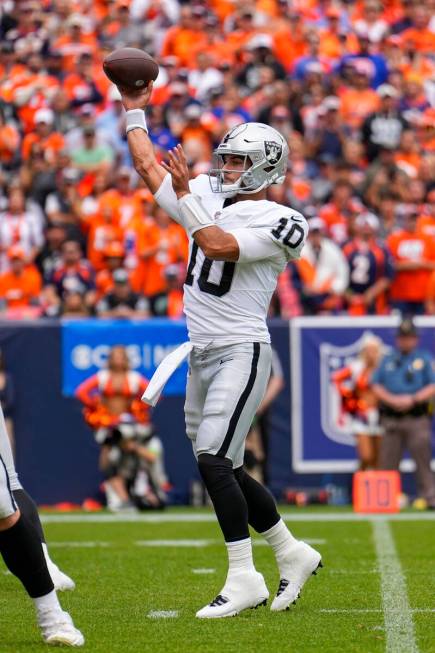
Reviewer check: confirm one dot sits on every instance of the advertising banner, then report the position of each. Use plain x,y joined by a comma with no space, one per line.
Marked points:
319,346
86,345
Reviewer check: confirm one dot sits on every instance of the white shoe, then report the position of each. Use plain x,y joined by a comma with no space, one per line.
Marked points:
243,590
57,628
302,561
61,582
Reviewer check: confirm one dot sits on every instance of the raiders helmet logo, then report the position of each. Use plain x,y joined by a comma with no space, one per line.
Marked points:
273,151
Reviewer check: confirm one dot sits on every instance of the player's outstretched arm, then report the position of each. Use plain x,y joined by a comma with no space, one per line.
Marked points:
216,243
139,143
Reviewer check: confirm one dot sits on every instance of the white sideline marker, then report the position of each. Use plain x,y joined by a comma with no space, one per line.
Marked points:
203,571
399,625
162,614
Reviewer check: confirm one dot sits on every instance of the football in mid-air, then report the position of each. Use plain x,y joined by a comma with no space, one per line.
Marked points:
130,68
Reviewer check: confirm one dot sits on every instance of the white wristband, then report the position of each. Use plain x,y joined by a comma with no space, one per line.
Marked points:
136,120
193,213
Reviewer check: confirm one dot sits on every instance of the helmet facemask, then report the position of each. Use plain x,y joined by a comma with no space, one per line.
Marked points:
218,175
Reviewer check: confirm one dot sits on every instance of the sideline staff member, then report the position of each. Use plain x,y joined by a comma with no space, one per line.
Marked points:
405,383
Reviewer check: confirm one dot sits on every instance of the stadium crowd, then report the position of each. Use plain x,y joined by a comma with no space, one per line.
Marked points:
350,84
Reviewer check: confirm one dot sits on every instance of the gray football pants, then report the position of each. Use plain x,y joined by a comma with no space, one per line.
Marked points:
8,476
225,386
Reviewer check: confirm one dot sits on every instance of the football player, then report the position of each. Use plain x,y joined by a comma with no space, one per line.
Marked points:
239,242
23,548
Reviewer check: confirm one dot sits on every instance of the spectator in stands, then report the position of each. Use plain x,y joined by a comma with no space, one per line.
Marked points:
323,271
114,255
384,127
71,273
359,403
63,206
131,454
92,157
121,302
19,226
164,243
9,143
20,286
329,137
50,255
405,385
175,275
73,304
370,269
339,213
414,260
50,141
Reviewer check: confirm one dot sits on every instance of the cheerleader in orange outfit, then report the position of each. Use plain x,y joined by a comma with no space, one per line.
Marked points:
359,402
130,451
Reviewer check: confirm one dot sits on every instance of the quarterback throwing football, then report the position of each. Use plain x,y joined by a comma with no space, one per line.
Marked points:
239,243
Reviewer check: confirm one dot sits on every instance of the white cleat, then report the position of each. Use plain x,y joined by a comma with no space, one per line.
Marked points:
61,582
302,562
57,628
243,590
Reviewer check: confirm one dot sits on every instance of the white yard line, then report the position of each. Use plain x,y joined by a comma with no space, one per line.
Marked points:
162,614
208,542
190,517
399,625
80,545
203,570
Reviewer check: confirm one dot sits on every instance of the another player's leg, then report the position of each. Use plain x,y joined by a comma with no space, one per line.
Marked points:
20,547
235,386
28,508
296,560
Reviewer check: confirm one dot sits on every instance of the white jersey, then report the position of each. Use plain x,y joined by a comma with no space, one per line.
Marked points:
227,302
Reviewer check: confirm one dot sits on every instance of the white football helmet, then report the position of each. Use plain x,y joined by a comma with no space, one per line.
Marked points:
266,154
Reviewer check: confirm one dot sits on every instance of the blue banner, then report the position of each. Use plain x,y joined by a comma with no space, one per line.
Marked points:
86,345
320,346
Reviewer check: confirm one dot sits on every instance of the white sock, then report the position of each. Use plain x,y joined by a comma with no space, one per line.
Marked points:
47,602
280,539
240,556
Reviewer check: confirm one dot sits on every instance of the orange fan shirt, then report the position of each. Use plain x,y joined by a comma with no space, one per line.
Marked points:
426,226
9,142
422,40
101,234
51,145
19,290
172,247
356,105
410,285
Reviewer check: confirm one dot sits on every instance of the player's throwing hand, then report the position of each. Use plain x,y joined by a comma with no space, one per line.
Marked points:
132,99
178,170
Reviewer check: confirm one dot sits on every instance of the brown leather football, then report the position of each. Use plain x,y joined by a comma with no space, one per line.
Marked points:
130,68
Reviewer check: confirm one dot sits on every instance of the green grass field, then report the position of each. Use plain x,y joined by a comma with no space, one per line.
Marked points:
138,586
